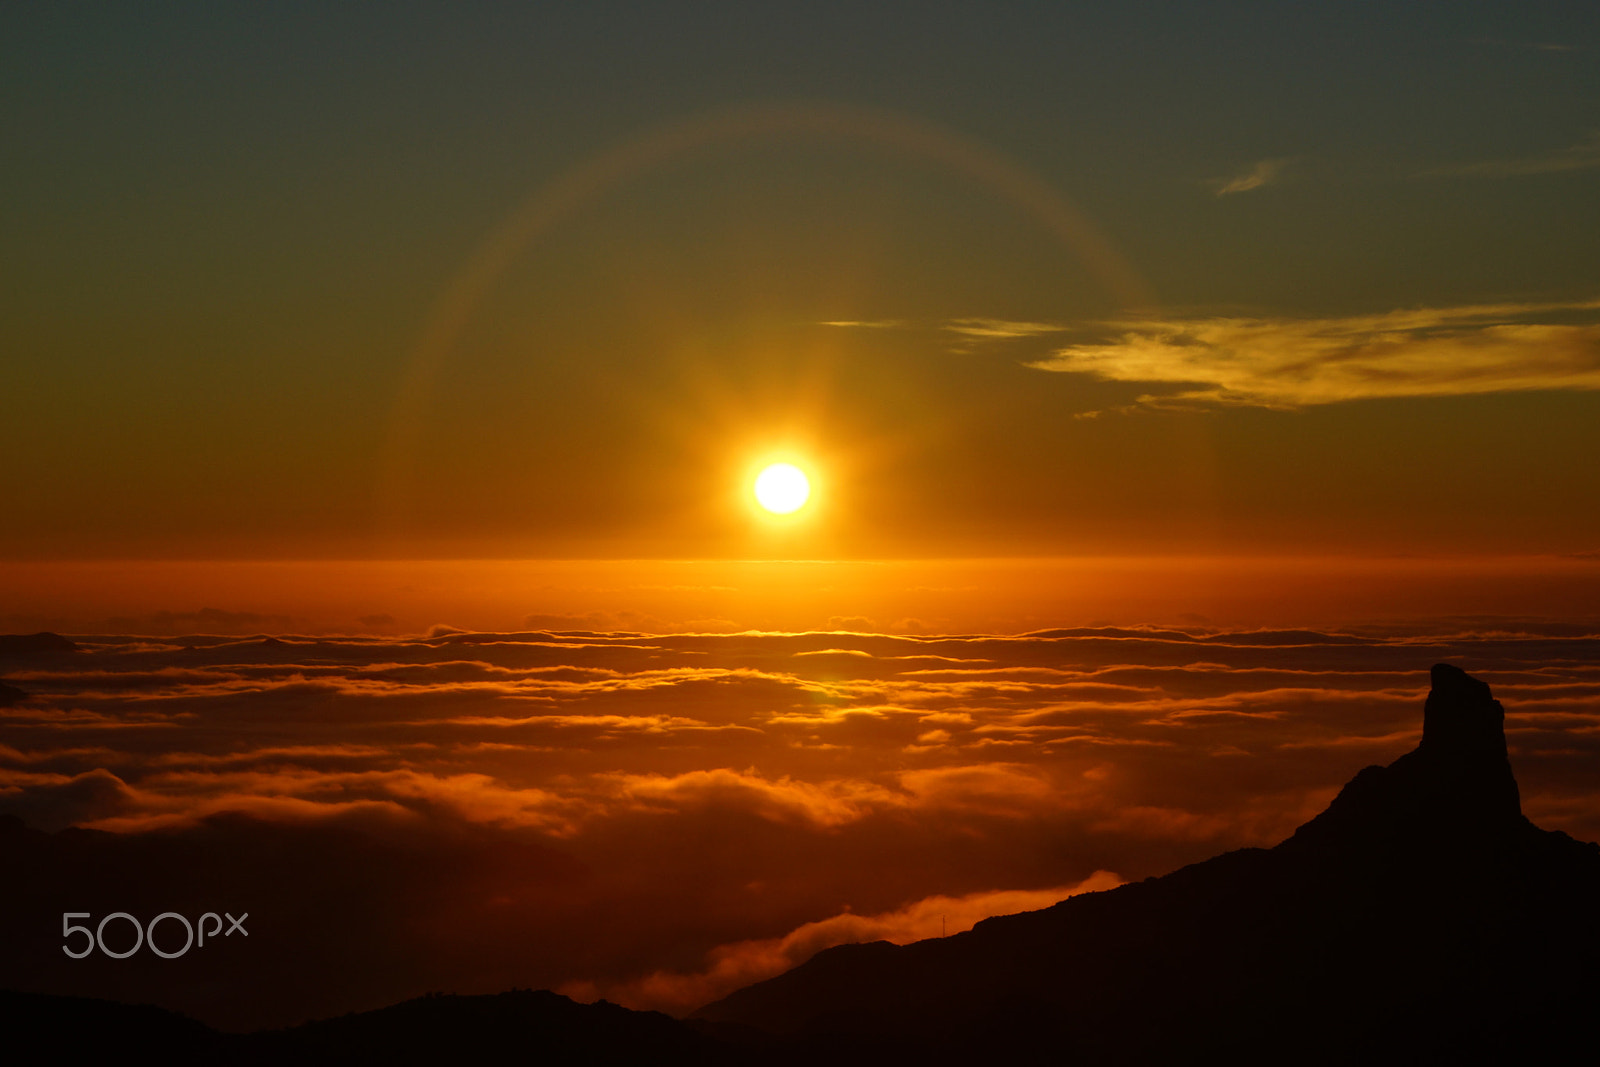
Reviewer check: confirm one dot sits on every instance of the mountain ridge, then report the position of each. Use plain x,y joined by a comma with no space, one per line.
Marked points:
1421,908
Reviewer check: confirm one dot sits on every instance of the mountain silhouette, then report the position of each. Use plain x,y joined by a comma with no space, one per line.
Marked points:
1421,918
34,646
27,648
519,1026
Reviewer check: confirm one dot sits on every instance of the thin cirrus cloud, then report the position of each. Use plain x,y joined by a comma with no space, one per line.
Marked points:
658,818
1583,155
999,329
1263,173
1291,363
1530,46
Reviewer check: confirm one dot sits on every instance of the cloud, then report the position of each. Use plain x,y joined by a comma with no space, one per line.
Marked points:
995,788
743,963
651,817
1583,155
1531,46
55,801
1290,363
825,804
1000,329
1263,173
972,331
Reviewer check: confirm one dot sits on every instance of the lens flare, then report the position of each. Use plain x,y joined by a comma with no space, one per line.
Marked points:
782,488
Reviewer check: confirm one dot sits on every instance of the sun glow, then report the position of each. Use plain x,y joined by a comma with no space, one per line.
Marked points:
782,488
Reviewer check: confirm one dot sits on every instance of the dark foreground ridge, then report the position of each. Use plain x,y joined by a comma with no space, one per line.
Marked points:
1420,919
520,1026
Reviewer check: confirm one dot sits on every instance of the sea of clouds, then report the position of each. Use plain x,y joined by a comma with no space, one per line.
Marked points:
660,819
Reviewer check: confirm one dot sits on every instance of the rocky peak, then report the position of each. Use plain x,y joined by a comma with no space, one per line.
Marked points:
1457,781
1462,758
1461,719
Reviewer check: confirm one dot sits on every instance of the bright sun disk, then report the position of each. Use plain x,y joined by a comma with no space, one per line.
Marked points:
782,488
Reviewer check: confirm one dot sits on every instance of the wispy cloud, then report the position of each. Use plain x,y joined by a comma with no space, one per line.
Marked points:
1527,46
1584,155
1265,172
1000,329
965,334
1290,363
976,328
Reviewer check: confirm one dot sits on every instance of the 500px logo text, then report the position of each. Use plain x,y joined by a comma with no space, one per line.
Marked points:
146,935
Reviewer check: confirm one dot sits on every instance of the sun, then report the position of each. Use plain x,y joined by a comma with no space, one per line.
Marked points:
782,488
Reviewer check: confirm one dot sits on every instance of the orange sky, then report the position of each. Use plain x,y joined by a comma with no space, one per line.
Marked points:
558,301
903,596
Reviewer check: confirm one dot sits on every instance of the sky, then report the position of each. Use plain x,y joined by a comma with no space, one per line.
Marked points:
385,383
414,281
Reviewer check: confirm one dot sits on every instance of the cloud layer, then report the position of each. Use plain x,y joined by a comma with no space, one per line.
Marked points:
1290,363
1263,173
1582,155
661,818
